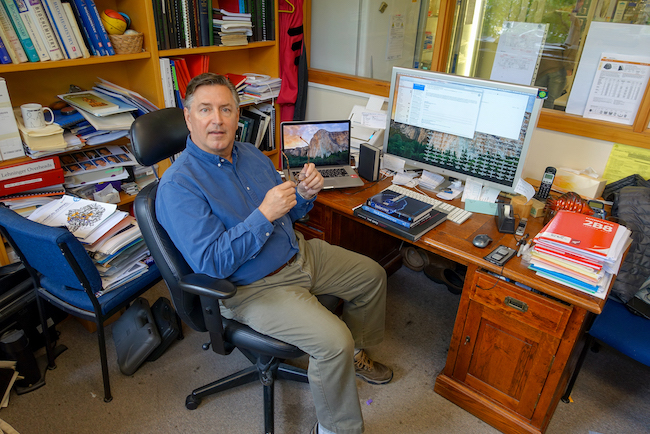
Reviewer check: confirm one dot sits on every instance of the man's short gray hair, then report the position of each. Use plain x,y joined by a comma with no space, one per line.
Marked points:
208,79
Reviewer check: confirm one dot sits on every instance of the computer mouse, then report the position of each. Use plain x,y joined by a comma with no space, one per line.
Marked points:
481,240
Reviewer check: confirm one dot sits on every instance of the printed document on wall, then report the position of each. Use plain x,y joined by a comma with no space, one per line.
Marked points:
519,52
395,38
618,88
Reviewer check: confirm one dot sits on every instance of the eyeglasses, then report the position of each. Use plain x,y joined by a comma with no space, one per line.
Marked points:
300,174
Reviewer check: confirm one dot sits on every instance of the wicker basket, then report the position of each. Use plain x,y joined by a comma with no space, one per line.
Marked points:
127,44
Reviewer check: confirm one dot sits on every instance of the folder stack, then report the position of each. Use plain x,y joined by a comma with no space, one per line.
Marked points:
580,251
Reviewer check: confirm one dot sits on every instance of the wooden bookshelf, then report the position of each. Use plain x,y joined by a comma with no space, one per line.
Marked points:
41,82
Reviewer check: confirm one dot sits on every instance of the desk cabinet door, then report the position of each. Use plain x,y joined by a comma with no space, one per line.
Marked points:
509,343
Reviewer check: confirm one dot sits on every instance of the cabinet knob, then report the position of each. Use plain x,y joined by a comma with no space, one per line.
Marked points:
466,340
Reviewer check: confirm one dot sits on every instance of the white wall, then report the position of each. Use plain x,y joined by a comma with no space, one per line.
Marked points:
548,148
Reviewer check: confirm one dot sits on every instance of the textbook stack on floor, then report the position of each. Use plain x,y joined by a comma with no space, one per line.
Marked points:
112,237
580,251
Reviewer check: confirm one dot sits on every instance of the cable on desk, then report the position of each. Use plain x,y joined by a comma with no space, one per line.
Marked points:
365,188
500,276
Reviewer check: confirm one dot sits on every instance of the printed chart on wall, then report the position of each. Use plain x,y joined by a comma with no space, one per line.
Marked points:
618,88
627,160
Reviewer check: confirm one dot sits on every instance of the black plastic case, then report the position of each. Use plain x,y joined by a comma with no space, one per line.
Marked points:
165,318
136,336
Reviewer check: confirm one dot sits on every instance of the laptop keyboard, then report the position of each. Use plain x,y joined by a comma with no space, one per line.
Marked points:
333,173
327,173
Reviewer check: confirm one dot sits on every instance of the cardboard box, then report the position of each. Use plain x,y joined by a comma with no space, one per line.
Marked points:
572,180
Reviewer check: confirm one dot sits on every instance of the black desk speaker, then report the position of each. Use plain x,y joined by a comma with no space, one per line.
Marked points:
368,162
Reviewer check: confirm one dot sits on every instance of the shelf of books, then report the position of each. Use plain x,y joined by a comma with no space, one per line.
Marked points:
51,59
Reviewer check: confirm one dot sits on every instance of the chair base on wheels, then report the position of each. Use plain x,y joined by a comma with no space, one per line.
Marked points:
265,369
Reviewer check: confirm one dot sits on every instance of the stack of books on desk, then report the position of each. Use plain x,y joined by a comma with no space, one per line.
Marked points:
403,215
111,237
580,251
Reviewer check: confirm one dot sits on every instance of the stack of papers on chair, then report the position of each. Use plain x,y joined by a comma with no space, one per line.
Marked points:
80,216
111,237
580,251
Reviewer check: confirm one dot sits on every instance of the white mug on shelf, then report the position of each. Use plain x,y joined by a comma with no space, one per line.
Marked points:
33,116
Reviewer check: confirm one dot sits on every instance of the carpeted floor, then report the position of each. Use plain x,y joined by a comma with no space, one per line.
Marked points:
612,394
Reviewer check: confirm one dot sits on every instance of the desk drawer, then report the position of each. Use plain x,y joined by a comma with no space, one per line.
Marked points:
542,313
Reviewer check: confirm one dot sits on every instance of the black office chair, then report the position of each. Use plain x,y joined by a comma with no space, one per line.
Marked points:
156,136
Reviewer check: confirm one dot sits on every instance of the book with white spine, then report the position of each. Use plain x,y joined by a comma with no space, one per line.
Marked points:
45,29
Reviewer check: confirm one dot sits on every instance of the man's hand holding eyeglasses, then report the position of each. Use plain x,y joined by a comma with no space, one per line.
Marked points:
310,181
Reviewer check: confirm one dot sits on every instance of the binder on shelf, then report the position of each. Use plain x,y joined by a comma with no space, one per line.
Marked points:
11,38
59,19
205,21
32,30
20,170
17,23
45,29
29,182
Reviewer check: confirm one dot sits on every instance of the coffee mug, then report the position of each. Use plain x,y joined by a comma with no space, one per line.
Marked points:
33,116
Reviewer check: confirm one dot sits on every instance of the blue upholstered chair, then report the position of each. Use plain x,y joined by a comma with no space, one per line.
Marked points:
622,330
65,276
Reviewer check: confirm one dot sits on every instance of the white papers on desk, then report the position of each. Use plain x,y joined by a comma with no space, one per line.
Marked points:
475,190
618,88
525,189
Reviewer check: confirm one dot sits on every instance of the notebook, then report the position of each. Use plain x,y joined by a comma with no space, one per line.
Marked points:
324,143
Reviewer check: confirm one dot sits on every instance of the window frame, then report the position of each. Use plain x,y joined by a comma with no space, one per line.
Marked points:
637,134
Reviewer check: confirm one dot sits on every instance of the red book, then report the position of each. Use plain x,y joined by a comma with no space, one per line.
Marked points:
584,234
196,64
32,181
237,79
230,5
29,168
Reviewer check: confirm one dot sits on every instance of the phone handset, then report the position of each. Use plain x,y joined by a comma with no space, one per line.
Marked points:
546,183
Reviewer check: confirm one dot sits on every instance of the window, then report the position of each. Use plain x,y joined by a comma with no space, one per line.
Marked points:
354,45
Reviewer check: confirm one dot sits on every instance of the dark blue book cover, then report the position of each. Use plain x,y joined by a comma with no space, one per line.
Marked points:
4,54
103,35
89,26
398,205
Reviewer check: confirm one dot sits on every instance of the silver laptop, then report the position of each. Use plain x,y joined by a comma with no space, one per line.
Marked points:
324,143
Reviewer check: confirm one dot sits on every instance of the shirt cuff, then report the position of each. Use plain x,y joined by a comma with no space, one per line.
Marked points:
259,225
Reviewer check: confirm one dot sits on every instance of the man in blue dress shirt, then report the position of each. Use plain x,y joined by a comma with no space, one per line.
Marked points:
227,210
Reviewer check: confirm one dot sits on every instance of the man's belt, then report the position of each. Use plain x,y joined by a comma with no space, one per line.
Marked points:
289,262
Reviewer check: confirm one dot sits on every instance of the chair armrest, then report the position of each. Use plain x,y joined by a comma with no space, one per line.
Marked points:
206,286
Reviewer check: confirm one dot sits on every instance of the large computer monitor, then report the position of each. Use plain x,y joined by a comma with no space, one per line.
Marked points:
461,127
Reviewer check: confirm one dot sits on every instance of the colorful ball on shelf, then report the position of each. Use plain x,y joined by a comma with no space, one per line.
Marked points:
126,18
113,22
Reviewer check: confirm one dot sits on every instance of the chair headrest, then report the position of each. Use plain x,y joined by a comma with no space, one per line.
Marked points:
158,135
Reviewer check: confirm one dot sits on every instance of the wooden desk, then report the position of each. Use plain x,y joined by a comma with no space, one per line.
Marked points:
513,349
